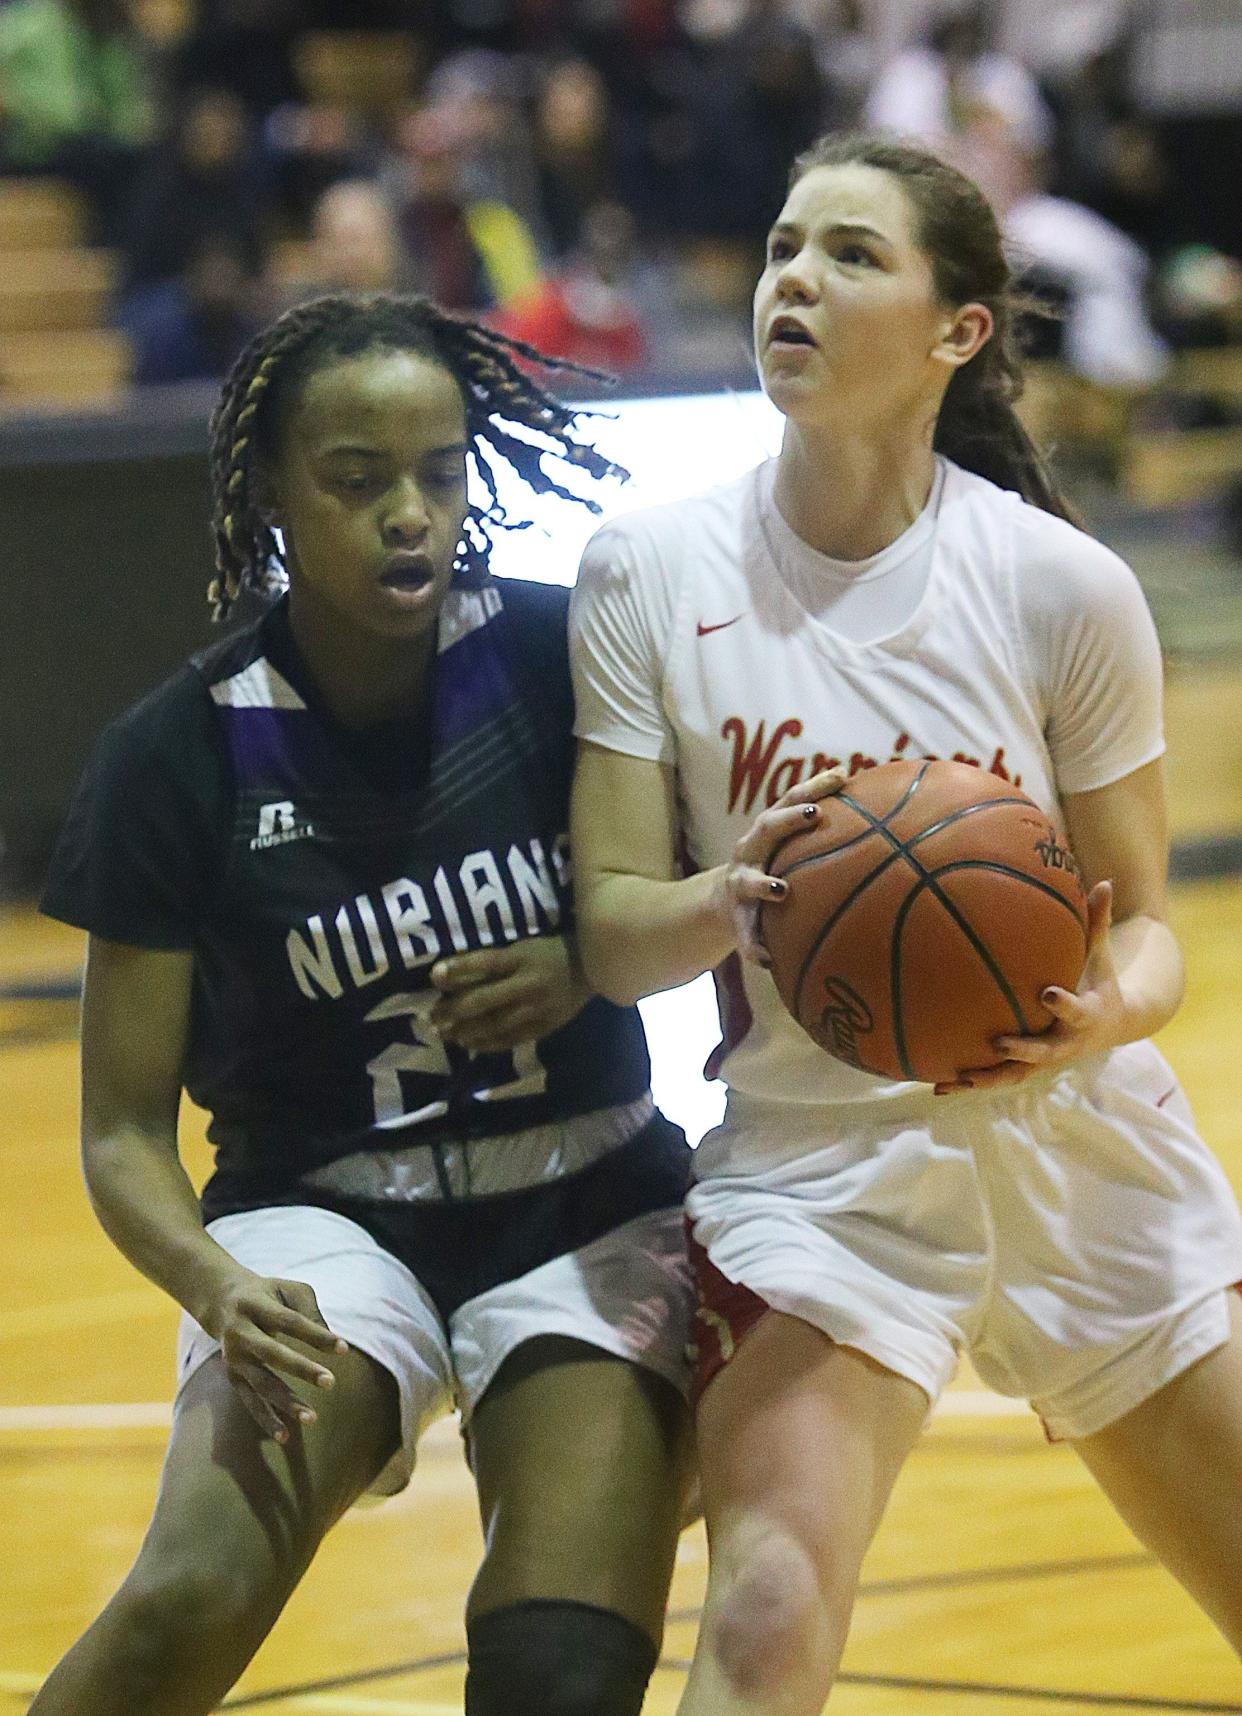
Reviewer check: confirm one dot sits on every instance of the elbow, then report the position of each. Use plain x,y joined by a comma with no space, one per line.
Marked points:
603,967
609,980
101,1154
620,993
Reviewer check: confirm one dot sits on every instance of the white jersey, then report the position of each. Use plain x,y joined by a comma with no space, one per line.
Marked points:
1021,645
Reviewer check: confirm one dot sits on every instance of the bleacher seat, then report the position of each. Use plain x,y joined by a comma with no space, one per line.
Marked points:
1164,467
1169,466
40,214
62,367
368,71
47,289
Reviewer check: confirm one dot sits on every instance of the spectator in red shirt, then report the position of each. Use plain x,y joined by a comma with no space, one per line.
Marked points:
588,310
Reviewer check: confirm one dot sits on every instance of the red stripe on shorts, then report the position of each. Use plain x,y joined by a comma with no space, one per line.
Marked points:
727,1312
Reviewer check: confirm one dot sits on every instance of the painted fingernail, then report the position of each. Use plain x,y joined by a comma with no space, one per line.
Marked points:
305,1415
778,886
810,811
325,1379
1048,996
281,1435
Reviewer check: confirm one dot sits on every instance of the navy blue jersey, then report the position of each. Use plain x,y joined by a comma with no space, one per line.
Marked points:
318,874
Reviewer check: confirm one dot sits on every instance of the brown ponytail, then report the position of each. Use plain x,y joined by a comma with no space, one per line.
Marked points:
957,231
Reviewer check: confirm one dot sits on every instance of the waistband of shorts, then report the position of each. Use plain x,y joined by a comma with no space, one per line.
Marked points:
447,1169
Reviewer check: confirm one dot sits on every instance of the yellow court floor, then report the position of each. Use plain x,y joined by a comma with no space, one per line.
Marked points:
1000,1583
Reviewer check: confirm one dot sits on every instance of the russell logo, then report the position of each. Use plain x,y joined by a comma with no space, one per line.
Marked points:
278,825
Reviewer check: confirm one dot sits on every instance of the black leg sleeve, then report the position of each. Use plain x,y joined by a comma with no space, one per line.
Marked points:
547,1657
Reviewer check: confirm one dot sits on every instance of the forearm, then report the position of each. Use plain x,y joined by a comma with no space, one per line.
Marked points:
1151,973
639,935
148,1208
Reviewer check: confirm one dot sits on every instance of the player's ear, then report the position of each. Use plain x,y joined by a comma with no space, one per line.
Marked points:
962,334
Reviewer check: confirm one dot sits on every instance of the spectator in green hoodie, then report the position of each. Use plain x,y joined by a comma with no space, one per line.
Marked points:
75,98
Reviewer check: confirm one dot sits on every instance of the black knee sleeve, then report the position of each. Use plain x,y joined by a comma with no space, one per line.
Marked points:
546,1657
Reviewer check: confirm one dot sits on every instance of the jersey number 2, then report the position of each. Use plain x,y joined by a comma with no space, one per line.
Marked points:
419,1067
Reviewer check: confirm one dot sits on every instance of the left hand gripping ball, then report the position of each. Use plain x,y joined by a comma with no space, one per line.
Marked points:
927,911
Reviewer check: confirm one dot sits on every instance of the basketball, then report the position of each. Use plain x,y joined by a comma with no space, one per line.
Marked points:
927,911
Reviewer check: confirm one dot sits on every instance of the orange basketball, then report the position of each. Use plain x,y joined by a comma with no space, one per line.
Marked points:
927,911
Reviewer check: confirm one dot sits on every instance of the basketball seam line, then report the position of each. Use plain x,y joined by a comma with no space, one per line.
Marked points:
899,1032
927,880
867,879
901,804
878,870
926,883
879,827
903,849
1019,875
923,834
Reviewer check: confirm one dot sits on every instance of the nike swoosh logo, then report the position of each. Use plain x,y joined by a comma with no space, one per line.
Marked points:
719,626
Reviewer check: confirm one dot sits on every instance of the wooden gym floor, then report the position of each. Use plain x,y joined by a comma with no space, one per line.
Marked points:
1000,1583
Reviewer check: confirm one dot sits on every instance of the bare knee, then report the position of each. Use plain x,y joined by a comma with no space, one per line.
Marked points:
176,1609
770,1626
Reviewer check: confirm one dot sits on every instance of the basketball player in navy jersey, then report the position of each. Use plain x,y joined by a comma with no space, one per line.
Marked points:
325,877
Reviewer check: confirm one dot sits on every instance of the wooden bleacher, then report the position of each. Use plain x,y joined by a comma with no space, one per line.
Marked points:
366,71
56,348
64,367
1110,428
42,291
1215,371
39,214
1167,466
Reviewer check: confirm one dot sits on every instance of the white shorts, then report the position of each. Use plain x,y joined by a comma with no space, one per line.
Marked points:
1075,1235
627,1293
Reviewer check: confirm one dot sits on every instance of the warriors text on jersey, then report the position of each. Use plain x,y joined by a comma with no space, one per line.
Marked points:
707,636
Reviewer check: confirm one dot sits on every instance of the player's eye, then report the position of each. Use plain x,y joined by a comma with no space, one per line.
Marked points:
856,254
779,249
445,480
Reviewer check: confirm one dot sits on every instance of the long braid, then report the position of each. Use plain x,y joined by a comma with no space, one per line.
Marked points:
498,390
244,542
495,388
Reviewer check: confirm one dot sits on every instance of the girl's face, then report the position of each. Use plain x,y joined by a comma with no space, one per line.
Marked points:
847,326
370,491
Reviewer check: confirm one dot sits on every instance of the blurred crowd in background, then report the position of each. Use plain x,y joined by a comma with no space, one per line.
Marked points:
596,176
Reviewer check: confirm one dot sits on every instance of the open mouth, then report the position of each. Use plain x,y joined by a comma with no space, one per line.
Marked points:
785,331
407,572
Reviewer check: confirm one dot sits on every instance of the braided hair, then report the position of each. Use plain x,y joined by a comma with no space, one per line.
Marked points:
496,389
956,229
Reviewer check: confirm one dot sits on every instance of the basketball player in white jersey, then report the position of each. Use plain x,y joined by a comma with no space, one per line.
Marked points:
903,581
